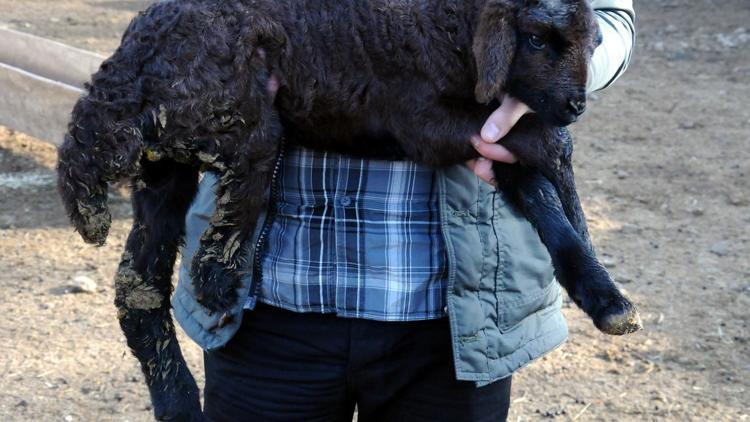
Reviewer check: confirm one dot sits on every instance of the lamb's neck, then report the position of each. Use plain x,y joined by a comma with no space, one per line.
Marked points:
441,14
449,26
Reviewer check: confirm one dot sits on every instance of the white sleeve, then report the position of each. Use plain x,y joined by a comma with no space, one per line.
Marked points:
612,57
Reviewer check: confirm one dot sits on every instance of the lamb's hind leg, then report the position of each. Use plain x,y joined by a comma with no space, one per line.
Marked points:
161,196
588,283
244,162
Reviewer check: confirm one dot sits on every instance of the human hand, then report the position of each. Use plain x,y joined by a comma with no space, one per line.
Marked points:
500,122
272,86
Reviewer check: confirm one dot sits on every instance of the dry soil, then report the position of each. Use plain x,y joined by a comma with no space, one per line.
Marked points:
663,164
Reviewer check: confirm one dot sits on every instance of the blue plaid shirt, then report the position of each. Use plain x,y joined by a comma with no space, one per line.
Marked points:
358,238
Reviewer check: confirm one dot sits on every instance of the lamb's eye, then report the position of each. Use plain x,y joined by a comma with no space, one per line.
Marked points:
537,42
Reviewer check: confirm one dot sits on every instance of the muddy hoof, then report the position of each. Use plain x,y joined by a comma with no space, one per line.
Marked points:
169,406
93,222
619,318
176,399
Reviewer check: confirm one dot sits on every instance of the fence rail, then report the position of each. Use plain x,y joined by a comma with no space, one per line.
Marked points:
40,81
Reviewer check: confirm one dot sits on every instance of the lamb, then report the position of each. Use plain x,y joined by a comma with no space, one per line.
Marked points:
187,91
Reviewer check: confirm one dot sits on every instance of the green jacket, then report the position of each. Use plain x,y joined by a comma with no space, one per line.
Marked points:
503,301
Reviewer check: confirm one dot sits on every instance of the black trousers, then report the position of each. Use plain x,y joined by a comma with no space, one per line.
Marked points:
287,366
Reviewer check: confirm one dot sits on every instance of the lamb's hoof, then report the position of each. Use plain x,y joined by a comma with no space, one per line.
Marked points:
176,402
620,317
215,285
178,409
93,221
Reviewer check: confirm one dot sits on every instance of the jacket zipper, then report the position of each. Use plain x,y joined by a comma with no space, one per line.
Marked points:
270,216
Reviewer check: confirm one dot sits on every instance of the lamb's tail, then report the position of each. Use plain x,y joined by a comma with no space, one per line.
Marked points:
105,136
99,148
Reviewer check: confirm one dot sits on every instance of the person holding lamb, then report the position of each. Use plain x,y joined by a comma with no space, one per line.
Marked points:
370,293
321,279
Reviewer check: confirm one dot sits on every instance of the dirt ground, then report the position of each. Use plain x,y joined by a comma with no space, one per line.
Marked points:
663,164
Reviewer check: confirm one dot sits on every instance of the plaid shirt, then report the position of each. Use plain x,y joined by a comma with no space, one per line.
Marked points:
358,238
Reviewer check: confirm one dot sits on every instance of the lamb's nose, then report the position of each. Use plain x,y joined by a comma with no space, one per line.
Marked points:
577,105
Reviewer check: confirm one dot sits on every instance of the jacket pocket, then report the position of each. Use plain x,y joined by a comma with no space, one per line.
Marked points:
511,313
524,280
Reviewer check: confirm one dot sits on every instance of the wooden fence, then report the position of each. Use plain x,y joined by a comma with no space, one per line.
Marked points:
40,81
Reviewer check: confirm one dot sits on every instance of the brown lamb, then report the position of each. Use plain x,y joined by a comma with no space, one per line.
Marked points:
393,79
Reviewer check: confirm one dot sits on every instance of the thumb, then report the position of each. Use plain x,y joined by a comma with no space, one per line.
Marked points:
502,120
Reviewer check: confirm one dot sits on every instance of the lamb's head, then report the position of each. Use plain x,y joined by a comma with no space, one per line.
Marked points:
537,51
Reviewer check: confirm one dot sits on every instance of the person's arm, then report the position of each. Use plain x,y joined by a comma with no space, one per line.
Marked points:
618,35
609,61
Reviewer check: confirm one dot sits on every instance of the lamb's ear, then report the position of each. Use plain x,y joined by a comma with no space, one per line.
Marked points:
494,47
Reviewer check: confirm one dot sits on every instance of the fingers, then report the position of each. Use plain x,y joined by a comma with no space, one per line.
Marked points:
482,167
273,85
502,120
494,152
273,81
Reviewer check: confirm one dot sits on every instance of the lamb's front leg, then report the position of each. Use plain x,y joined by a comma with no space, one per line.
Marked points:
588,283
245,166
559,171
550,150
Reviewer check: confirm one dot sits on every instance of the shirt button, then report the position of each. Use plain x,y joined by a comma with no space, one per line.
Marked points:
345,201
